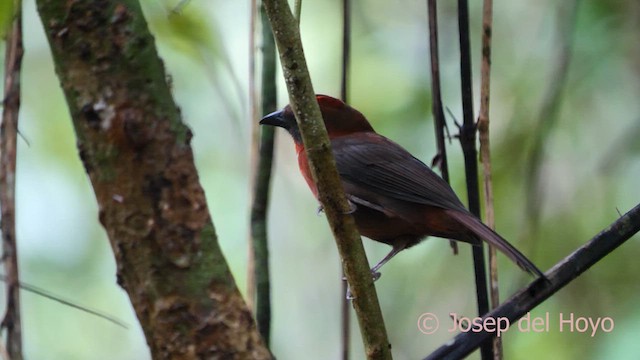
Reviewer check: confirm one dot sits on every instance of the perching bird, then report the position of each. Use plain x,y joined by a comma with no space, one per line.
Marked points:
397,199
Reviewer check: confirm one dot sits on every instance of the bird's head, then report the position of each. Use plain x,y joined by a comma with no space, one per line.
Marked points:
339,118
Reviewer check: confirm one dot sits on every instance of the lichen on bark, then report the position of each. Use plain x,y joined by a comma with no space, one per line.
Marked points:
136,151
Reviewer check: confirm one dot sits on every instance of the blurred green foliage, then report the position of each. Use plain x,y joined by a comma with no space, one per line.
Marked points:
590,172
6,15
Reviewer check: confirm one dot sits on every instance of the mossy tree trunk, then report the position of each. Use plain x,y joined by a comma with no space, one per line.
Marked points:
136,151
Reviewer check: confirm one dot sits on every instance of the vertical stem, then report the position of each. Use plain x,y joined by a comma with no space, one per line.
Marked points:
485,156
344,86
346,49
323,170
468,142
436,107
255,145
262,184
298,10
8,139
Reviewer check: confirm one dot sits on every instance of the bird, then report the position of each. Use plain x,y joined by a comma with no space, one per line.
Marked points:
396,199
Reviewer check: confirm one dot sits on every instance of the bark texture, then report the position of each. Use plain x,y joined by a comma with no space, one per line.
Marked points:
11,321
136,152
325,175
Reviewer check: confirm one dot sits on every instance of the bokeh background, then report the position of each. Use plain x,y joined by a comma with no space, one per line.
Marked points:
590,172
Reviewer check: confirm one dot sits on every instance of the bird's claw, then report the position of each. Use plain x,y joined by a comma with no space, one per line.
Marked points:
352,207
349,296
375,275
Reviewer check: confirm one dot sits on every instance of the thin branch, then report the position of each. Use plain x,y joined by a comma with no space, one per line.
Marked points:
558,277
483,132
344,86
468,142
345,309
548,115
346,49
330,190
262,183
46,294
255,146
485,157
8,147
298,10
440,160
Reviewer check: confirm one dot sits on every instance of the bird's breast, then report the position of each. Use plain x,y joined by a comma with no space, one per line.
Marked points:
303,164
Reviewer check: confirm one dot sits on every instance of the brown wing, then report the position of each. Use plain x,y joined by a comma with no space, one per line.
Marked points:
373,162
374,169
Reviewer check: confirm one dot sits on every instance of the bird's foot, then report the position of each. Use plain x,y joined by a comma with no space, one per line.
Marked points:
352,207
349,296
374,274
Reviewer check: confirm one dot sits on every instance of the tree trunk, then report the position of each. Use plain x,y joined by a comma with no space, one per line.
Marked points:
136,151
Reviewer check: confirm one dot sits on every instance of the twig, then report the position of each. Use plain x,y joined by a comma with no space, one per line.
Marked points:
298,10
346,49
559,276
468,142
485,157
262,183
344,87
8,136
330,190
46,294
436,104
255,146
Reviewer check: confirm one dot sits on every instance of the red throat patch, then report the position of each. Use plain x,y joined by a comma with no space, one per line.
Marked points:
303,164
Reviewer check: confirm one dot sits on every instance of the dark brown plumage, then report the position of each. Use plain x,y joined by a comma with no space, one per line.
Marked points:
398,199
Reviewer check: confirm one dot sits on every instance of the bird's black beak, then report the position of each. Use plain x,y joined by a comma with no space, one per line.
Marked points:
276,118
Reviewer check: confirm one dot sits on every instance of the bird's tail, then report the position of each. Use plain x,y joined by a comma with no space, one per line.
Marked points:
485,233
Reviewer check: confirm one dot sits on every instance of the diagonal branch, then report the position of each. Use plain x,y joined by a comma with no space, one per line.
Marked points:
323,169
558,277
48,295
